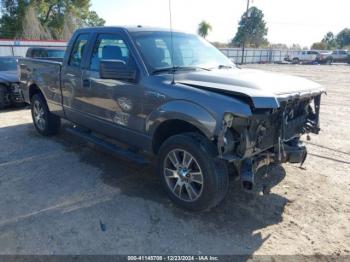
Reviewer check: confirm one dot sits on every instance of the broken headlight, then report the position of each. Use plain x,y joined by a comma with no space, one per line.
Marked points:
230,137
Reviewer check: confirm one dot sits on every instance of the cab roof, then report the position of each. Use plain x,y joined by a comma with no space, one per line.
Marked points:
130,29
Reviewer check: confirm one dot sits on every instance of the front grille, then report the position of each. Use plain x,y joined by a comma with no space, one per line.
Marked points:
285,123
294,127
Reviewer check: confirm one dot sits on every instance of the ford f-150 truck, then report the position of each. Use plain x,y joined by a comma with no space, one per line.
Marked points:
174,96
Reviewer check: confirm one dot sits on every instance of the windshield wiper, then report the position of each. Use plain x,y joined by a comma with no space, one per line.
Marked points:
178,68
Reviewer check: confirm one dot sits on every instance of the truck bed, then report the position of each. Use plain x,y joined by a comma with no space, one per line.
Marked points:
44,73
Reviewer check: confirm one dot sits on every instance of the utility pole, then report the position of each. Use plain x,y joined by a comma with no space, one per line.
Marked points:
244,37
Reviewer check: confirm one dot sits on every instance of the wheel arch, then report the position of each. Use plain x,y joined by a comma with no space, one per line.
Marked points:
34,89
179,117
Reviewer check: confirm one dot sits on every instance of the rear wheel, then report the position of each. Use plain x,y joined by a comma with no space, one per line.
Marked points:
190,172
296,61
44,121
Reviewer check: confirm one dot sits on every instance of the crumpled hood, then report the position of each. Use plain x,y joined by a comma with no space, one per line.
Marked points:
265,89
9,77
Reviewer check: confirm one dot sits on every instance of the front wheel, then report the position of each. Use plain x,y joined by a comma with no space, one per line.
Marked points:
44,121
190,172
329,61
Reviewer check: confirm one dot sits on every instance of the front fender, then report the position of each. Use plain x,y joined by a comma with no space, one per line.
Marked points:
185,111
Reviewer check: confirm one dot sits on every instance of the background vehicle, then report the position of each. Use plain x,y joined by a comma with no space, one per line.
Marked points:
47,53
312,56
340,56
10,93
177,97
325,57
305,56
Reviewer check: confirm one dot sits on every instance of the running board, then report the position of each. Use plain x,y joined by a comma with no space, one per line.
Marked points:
119,152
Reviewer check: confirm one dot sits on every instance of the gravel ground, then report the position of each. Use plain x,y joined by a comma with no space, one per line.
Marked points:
58,196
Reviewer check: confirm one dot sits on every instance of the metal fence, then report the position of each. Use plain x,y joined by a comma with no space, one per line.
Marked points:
252,56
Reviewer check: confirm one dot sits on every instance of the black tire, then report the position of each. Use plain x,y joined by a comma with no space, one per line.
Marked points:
51,124
214,172
329,61
296,61
3,90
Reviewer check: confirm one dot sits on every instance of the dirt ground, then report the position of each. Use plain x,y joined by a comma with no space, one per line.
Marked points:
58,196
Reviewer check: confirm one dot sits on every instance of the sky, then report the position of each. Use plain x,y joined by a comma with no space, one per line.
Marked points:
289,21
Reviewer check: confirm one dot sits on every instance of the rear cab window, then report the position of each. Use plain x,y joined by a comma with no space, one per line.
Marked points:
78,51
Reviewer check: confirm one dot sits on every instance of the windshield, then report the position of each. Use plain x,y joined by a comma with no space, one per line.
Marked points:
8,64
55,53
190,51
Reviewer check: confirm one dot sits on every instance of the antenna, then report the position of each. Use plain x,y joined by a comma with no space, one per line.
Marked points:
172,43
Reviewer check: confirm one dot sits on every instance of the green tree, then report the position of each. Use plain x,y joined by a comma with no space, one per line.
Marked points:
92,19
252,29
295,47
319,46
343,38
32,28
12,15
56,17
204,28
330,41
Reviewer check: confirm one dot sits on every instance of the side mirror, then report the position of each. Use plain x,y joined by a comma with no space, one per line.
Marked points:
116,69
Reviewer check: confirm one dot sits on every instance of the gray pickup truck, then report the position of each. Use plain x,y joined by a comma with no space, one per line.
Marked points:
174,96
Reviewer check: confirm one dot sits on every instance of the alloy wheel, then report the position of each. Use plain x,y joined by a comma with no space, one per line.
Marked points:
183,175
39,115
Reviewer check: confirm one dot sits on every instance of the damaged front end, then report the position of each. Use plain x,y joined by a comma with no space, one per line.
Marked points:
268,136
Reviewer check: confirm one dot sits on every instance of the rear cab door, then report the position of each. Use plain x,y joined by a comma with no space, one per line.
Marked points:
71,75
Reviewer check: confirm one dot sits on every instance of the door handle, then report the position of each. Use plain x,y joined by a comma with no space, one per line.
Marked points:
86,83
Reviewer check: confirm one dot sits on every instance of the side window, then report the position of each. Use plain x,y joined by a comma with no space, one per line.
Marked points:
109,47
35,53
78,50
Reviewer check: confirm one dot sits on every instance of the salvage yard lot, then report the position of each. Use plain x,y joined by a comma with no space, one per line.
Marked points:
59,196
